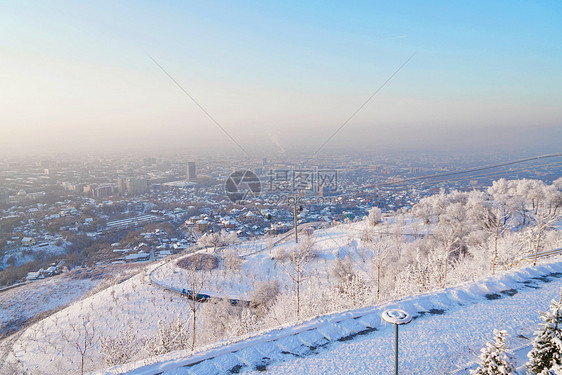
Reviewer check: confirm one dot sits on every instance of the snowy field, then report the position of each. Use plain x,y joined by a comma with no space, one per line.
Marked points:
446,335
262,264
20,304
46,346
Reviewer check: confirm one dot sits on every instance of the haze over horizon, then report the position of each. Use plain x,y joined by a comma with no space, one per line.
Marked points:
280,76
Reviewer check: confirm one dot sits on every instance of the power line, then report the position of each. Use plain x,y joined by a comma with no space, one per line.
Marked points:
199,105
497,173
425,184
466,170
363,105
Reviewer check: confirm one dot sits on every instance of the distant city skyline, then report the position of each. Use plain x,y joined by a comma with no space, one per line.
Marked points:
279,76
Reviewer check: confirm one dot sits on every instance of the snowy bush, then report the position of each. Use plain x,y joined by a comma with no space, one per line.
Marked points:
199,262
122,348
280,254
375,216
225,319
174,335
264,295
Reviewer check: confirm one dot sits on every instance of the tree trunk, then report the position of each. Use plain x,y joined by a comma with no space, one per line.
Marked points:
538,245
298,296
495,257
193,333
378,282
446,264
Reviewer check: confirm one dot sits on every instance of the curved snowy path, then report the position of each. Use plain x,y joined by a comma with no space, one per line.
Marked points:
434,343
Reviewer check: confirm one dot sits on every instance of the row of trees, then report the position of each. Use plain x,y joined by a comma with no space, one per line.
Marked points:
218,239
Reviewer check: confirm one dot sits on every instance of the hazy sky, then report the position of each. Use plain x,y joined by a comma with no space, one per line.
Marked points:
76,75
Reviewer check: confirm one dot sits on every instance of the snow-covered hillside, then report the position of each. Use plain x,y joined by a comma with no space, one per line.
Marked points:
447,332
18,305
451,252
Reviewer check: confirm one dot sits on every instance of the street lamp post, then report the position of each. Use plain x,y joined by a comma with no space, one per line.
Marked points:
396,317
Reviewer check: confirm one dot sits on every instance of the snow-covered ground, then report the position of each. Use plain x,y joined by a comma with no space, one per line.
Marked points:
20,304
46,346
27,254
261,264
438,344
337,326
448,330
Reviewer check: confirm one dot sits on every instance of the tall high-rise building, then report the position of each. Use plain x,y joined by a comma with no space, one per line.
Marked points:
137,186
121,185
191,171
4,197
102,191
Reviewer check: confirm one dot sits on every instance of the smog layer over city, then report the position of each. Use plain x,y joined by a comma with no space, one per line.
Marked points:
284,187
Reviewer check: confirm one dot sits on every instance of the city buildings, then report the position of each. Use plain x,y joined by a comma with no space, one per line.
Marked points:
191,171
137,186
4,197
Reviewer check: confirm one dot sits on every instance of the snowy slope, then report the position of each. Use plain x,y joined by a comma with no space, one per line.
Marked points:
47,347
20,304
449,328
258,266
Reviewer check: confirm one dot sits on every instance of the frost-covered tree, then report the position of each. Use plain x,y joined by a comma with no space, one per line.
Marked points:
223,318
173,335
343,269
375,216
495,221
195,282
547,345
396,230
121,348
423,274
229,238
494,357
351,287
85,341
210,240
297,263
429,208
446,234
546,215
217,240
264,295
381,247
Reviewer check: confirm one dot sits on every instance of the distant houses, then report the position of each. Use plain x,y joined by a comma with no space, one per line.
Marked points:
137,257
27,241
52,270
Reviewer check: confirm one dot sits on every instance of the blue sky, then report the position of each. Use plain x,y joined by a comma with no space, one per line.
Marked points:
290,70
